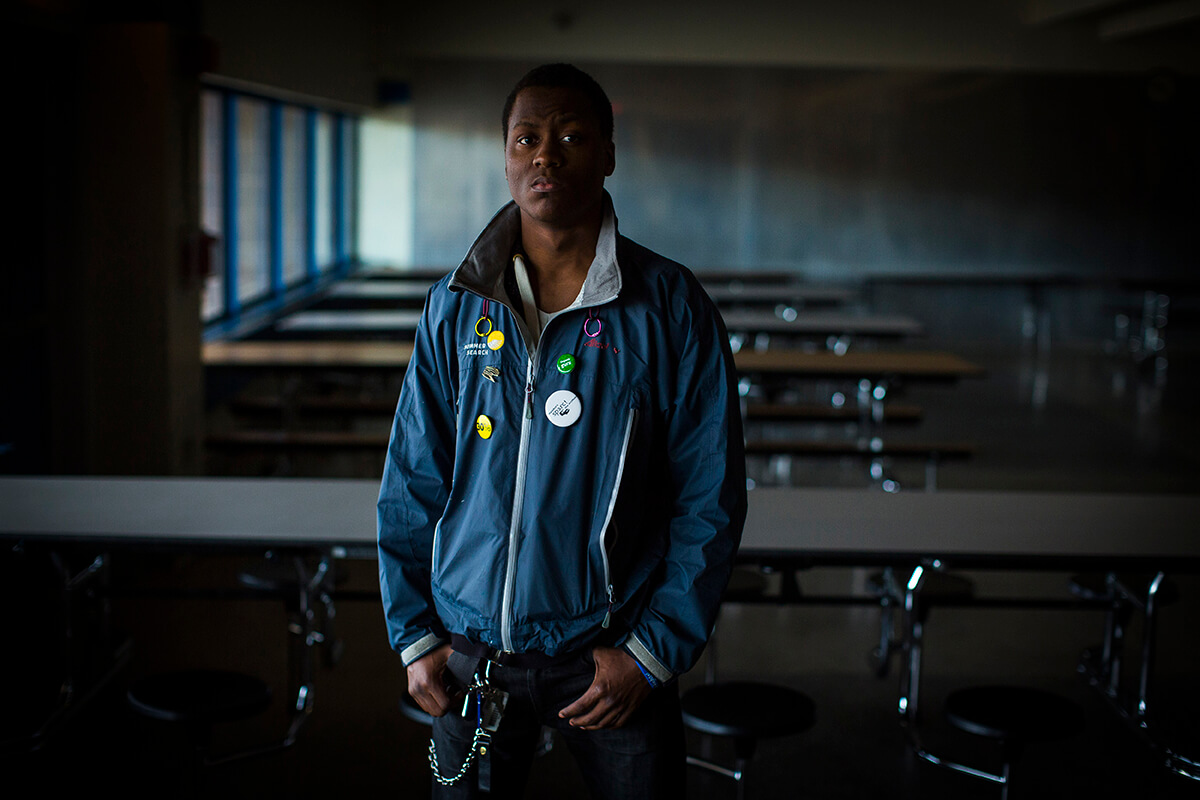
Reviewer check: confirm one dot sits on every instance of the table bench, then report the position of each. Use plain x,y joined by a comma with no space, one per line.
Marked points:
875,450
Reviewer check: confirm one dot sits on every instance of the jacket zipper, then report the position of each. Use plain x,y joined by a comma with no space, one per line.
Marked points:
514,526
506,604
612,504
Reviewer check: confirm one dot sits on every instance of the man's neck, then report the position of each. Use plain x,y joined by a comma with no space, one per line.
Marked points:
557,261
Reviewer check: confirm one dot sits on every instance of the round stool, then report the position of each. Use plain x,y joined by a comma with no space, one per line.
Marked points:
196,699
1015,716
745,711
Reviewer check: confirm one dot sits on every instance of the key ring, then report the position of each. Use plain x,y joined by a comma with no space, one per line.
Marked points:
599,325
483,318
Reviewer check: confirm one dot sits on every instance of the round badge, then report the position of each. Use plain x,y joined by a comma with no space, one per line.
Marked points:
483,426
563,408
566,363
495,340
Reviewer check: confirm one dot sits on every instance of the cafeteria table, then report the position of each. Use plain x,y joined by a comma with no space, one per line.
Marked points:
282,354
333,321
913,531
916,364
837,328
874,372
798,323
924,364
380,290
785,294
1027,531
362,294
822,323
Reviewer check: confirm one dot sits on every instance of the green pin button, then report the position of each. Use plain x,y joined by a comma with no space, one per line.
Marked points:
566,363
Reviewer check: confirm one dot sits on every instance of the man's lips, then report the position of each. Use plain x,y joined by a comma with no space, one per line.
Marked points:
545,185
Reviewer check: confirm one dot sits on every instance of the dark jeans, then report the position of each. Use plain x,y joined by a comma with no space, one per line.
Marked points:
644,758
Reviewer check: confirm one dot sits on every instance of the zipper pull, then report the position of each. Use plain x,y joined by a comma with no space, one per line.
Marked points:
529,391
608,613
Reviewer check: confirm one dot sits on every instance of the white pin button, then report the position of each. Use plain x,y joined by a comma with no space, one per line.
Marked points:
563,408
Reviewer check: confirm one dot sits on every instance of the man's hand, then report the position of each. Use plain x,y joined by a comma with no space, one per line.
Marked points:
616,692
426,681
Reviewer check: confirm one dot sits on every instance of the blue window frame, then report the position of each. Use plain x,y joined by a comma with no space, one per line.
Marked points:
278,193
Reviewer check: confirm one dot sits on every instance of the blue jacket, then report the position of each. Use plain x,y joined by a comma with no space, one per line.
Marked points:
497,525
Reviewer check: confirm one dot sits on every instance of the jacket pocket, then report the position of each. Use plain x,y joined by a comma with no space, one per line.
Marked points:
608,531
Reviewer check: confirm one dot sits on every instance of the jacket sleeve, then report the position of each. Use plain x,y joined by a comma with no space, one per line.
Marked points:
707,478
416,484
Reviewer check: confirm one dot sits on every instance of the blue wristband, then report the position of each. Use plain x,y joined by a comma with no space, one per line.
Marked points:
650,679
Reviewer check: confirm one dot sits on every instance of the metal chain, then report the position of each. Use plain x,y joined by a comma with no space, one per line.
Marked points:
478,742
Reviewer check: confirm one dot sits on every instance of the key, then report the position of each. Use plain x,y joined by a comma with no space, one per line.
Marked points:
494,701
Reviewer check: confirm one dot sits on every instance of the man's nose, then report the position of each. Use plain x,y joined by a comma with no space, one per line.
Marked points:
549,154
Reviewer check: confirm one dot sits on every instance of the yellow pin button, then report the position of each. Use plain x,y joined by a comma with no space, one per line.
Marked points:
495,340
483,426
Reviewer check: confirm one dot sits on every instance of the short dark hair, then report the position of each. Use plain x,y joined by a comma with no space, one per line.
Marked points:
563,76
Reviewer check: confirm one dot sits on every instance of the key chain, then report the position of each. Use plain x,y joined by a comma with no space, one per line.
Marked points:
489,708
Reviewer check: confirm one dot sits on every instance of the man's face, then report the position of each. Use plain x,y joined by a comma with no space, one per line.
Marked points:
556,157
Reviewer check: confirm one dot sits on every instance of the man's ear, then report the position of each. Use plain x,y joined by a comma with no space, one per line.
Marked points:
611,155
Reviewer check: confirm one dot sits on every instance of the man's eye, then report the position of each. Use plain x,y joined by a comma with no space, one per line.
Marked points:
571,138
525,141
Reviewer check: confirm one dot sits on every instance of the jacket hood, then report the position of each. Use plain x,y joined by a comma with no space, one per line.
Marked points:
483,269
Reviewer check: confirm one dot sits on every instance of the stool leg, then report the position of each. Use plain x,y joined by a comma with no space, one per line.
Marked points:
889,598
910,684
199,737
710,663
1121,615
1147,666
1010,751
743,749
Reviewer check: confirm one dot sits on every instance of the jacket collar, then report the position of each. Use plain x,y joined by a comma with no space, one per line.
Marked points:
483,270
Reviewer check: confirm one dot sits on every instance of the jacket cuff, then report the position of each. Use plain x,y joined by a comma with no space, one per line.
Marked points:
420,647
644,657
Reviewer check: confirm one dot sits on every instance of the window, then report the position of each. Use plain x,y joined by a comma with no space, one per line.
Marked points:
253,201
278,191
323,231
385,190
212,160
295,193
346,154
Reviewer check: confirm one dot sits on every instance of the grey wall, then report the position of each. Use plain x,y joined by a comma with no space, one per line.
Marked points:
1010,35
842,174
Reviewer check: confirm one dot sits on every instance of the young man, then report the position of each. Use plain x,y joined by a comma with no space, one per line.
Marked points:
565,486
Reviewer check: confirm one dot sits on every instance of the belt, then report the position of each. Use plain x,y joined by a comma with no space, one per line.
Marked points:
517,660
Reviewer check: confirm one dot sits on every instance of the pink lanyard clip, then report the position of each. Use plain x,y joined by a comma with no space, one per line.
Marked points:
591,317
